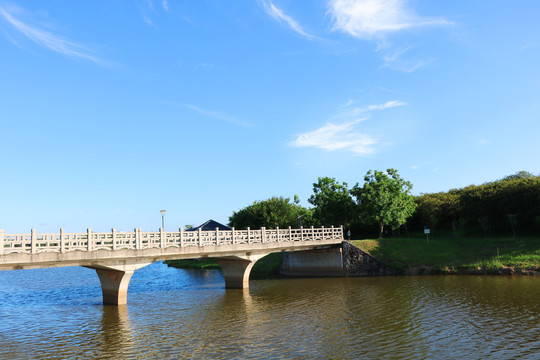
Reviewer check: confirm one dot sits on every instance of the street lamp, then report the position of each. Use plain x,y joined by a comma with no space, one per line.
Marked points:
300,218
163,218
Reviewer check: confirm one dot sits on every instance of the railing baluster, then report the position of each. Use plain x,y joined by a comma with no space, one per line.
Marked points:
113,235
290,234
181,237
33,241
62,241
233,236
88,239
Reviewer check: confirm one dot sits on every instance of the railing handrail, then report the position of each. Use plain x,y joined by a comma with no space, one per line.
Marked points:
88,241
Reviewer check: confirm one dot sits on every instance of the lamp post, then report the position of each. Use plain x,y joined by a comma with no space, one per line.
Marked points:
300,218
163,218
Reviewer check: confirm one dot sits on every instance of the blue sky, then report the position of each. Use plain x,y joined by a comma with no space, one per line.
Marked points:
113,110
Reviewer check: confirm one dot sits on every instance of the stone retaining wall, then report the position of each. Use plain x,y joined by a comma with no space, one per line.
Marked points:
343,261
359,263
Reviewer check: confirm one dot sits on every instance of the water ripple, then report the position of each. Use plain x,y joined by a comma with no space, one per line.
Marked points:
177,314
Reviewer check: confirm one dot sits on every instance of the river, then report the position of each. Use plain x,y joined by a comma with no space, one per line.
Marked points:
187,314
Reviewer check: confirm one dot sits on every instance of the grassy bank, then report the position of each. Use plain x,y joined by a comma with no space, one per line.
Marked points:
265,268
457,255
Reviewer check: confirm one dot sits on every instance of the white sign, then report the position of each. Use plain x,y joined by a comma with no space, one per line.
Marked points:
426,231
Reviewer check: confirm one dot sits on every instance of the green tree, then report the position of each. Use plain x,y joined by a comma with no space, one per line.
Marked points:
276,211
384,199
333,204
444,206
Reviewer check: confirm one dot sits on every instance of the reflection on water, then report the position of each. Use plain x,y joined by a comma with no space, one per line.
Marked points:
173,314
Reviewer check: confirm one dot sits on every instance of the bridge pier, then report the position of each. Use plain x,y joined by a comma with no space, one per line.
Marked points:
114,286
236,270
115,282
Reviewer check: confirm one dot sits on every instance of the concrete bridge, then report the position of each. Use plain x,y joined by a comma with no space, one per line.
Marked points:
116,255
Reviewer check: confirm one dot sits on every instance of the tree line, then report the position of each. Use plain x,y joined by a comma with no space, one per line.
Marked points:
510,205
383,201
383,204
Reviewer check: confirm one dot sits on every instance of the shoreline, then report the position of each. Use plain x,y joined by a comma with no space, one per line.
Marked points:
415,257
456,256
503,271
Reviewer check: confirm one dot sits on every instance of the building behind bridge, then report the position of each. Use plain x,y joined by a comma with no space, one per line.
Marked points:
210,225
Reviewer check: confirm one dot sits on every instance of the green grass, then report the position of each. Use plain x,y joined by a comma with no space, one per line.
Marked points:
265,268
456,255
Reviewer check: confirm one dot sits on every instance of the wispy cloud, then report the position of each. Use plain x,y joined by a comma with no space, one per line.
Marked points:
386,105
342,131
343,136
529,45
47,39
375,20
148,21
367,19
165,5
147,9
350,110
218,115
280,16
395,59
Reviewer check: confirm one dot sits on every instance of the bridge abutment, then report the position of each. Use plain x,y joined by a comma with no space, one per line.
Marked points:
314,263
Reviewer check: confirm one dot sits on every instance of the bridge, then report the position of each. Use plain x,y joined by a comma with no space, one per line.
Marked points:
116,255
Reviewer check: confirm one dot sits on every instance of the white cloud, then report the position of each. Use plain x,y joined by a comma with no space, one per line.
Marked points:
47,39
367,19
332,137
165,5
219,116
342,134
280,16
387,105
350,112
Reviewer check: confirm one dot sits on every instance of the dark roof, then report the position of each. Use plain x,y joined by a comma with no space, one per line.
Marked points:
210,225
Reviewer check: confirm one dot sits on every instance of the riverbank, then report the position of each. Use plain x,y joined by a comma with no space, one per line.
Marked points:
418,256
450,255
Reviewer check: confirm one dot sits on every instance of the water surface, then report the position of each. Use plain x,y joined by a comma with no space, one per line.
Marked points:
175,314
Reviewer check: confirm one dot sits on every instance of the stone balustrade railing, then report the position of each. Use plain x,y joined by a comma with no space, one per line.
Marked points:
34,243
